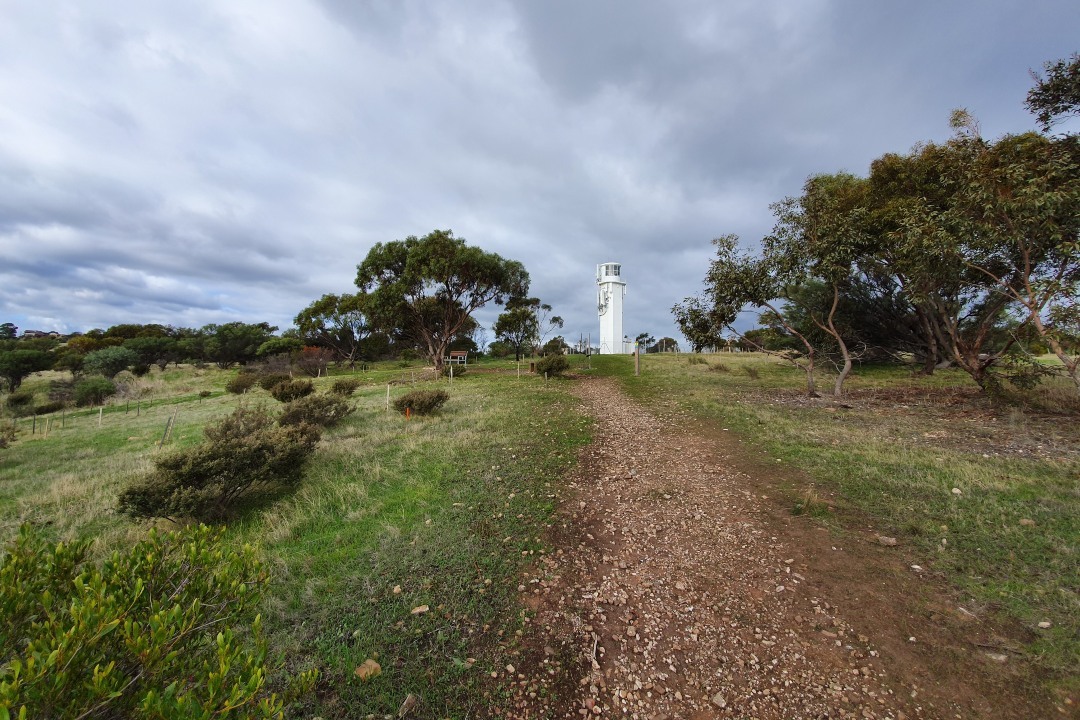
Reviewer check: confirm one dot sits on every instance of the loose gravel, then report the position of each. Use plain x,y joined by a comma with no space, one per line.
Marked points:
674,601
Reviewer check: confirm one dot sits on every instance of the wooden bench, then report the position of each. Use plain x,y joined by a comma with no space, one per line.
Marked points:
458,357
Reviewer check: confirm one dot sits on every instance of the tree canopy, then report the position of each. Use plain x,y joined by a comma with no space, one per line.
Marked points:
1057,94
429,287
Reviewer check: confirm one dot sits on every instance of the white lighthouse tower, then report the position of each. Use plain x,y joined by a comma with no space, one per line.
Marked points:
609,303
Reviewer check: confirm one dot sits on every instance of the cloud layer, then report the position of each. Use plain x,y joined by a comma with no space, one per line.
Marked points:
205,162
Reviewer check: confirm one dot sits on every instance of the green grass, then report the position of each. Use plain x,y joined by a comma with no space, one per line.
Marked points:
449,509
893,458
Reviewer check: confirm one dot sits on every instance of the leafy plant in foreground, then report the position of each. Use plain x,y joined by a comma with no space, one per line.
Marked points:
162,630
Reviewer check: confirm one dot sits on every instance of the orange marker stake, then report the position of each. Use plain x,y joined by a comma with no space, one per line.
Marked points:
407,413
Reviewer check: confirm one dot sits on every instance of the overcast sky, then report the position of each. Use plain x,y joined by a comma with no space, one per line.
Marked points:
204,161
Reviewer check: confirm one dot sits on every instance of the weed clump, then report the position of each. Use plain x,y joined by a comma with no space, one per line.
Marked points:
320,410
49,407
751,372
292,390
696,360
552,365
244,455
153,627
241,383
93,391
421,402
344,387
720,368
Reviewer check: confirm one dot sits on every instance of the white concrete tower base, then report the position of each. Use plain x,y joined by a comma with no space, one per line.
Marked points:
610,292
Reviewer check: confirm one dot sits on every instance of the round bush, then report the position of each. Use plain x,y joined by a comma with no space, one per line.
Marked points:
421,402
321,410
93,391
241,383
345,386
552,365
292,390
270,380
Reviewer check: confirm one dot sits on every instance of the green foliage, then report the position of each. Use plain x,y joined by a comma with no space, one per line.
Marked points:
552,365
697,324
344,387
499,349
162,630
421,402
109,361
8,331
17,365
290,390
1057,95
241,383
427,288
339,322
153,350
279,346
93,391
7,436
234,342
320,410
243,455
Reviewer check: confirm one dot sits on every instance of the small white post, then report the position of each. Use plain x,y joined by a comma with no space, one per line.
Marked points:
99,411
387,397
451,373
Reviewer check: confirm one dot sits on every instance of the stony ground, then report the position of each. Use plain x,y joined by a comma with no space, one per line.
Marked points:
675,592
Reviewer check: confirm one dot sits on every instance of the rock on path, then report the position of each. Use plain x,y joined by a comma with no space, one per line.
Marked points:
672,599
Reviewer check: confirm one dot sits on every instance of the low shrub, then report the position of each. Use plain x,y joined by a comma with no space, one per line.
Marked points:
320,410
93,391
270,380
344,387
696,360
552,365
720,368
241,383
459,369
7,436
205,393
421,402
20,398
243,455
292,390
751,372
165,629
49,407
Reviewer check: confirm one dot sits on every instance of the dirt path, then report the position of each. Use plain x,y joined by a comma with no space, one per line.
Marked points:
680,590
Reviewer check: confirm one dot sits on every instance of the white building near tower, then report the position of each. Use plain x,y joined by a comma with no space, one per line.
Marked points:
610,292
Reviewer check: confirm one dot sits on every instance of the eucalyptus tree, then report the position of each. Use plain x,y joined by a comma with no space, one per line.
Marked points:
339,322
427,288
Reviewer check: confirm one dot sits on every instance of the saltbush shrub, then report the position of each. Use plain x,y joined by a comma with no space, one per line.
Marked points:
241,383
165,629
321,410
344,386
552,365
93,391
243,455
267,381
292,390
459,369
421,402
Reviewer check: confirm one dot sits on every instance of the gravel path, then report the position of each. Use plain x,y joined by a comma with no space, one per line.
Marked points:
672,600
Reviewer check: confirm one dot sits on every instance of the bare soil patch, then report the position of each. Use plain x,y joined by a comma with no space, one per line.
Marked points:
682,586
